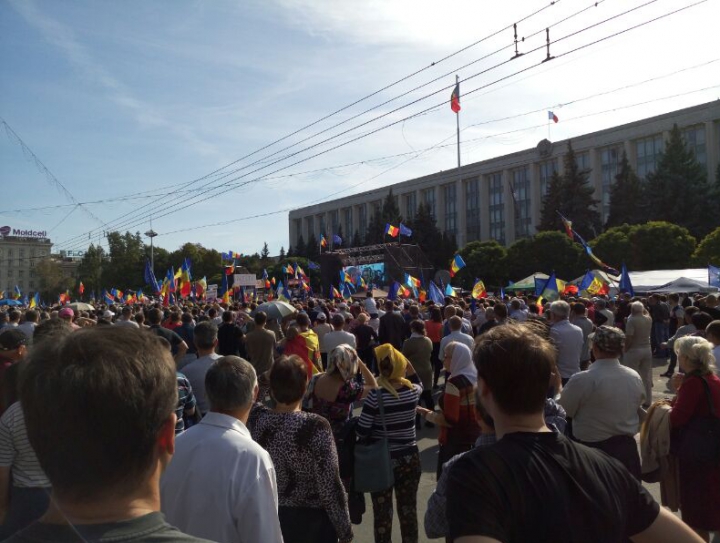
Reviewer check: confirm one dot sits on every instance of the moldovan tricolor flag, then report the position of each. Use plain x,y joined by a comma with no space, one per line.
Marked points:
552,117
455,99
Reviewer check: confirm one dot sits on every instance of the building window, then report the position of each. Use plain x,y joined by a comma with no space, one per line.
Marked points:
648,152
334,221
348,223
610,159
410,206
10,253
362,220
22,253
310,224
321,221
521,200
450,209
428,198
546,170
32,273
583,161
695,140
10,274
472,209
497,208
298,229
32,284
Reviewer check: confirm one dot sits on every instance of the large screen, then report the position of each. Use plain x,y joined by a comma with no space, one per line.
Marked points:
372,273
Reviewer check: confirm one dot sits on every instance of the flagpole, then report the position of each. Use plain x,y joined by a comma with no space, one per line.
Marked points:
457,121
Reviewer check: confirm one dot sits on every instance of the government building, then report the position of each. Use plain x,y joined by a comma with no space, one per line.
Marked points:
501,198
20,251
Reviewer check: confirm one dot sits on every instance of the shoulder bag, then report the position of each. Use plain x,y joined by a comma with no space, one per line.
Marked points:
700,442
373,469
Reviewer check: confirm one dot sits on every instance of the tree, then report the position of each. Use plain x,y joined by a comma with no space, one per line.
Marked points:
485,260
678,188
51,278
708,251
312,250
300,248
265,254
389,214
427,235
626,197
653,246
356,240
91,268
282,253
572,195
544,252
127,261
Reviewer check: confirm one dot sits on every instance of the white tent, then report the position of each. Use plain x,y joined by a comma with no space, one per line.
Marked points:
650,281
685,285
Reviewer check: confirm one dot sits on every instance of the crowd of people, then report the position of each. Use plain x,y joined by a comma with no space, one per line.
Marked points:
227,423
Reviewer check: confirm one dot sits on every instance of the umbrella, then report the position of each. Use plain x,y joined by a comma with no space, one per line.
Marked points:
7,301
276,309
81,306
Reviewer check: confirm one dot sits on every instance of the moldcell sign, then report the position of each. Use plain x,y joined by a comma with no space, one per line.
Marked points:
6,231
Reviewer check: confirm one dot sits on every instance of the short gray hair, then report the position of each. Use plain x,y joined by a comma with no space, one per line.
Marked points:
230,384
637,308
205,334
560,308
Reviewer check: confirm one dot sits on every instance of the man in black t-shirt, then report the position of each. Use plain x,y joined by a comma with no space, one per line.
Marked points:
536,485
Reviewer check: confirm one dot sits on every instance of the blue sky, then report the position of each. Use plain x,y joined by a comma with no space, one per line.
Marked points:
137,99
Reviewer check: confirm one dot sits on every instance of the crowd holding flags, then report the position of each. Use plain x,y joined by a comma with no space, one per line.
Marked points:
456,264
478,290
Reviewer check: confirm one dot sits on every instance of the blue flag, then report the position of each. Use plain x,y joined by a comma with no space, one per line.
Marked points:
313,265
337,240
150,278
539,286
392,294
449,291
502,293
405,231
586,282
625,285
435,294
550,292
713,277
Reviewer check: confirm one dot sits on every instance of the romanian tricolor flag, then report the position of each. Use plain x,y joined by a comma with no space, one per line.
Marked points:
478,290
456,265
455,98
299,271
323,241
404,292
391,230
108,298
412,281
345,277
552,117
289,270
81,288
336,293
422,295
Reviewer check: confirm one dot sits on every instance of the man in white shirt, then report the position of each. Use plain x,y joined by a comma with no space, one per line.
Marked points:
126,318
28,327
604,401
567,338
338,336
205,338
220,484
456,334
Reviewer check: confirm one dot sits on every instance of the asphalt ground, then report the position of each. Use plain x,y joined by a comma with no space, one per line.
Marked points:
427,443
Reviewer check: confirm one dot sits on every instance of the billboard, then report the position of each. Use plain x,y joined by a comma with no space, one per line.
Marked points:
372,273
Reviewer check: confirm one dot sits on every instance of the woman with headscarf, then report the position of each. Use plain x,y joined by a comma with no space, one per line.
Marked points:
332,394
400,389
458,431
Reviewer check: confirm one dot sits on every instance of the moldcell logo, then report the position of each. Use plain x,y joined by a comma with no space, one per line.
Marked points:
4,230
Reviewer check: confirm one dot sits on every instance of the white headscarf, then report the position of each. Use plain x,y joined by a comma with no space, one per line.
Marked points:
461,363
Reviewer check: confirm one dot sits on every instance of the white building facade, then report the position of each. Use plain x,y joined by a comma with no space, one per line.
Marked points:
501,198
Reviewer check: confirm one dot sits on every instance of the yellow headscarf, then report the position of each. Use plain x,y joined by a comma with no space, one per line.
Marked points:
399,363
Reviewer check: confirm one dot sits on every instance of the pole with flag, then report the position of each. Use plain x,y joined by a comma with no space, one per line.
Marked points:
455,106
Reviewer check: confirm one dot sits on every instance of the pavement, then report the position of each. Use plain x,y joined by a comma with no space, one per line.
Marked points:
427,443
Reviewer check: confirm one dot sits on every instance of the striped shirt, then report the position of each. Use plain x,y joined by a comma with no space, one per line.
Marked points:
399,417
16,452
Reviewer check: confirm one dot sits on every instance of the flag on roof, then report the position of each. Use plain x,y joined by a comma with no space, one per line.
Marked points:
337,240
625,285
405,231
478,290
552,117
455,98
323,241
456,265
391,230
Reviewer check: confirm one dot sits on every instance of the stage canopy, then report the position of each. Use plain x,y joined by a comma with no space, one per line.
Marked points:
651,281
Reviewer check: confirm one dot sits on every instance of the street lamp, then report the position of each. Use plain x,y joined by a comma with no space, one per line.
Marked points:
151,234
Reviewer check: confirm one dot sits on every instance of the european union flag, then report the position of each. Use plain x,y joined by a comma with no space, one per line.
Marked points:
337,240
625,285
405,231
435,294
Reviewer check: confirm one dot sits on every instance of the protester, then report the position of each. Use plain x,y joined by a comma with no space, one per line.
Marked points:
220,484
433,328
567,338
260,344
392,327
105,454
28,326
178,346
687,329
578,317
366,340
230,337
13,348
456,334
400,389
511,491
638,352
313,504
321,328
338,336
698,390
418,350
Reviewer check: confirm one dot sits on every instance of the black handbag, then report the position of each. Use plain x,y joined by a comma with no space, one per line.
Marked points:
700,441
373,471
